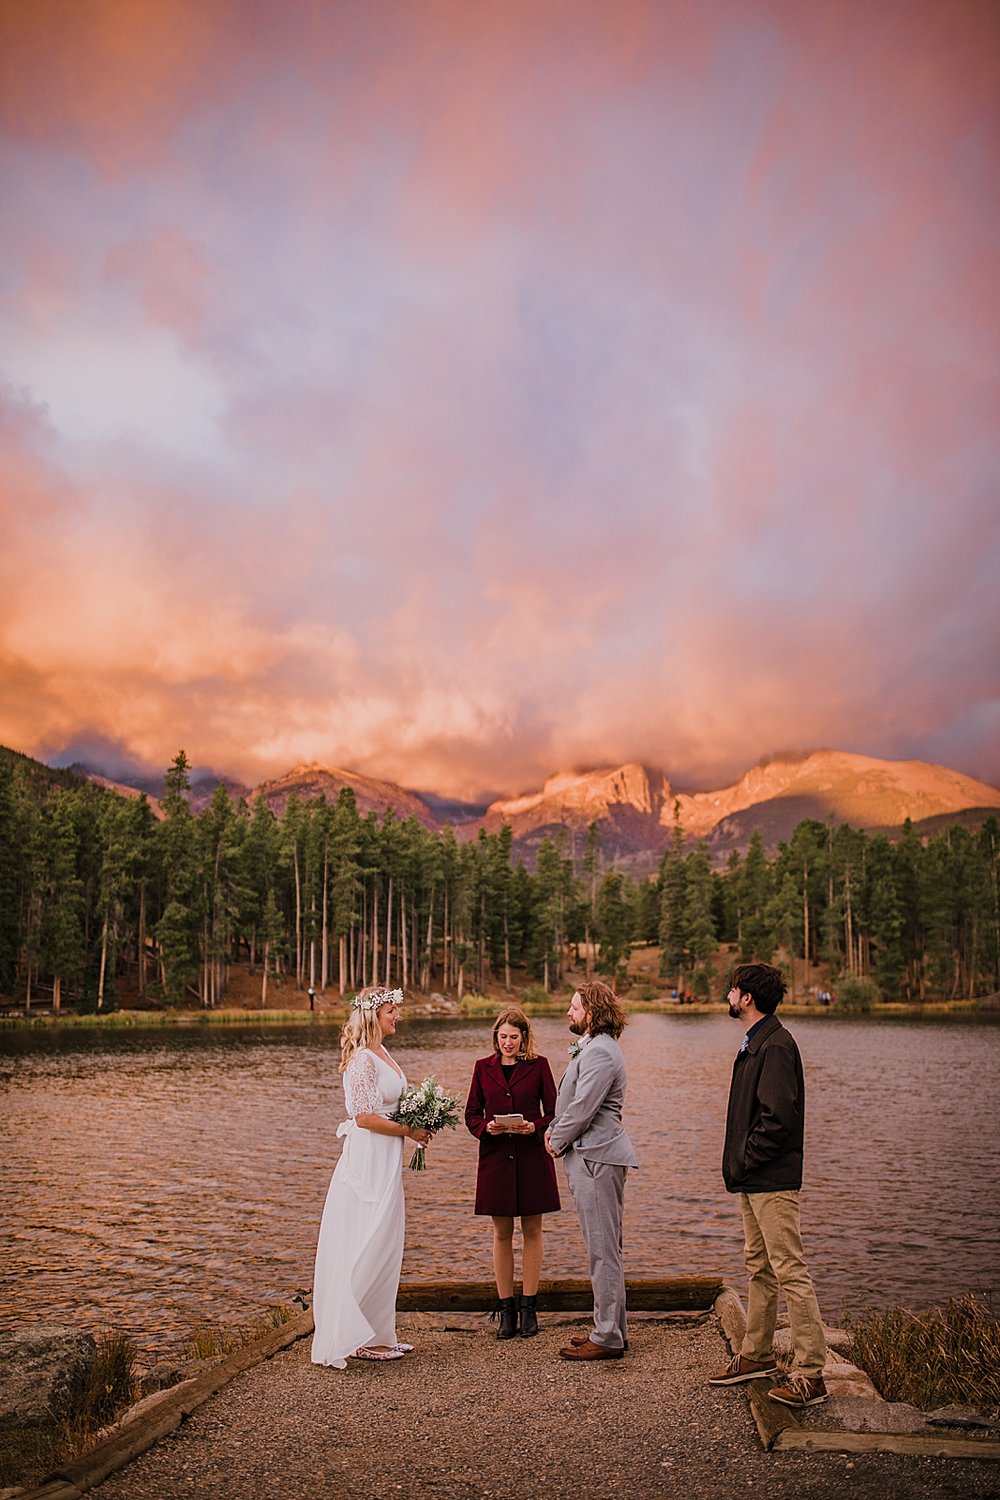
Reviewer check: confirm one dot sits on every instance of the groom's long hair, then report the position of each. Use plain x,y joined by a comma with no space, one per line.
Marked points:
604,1009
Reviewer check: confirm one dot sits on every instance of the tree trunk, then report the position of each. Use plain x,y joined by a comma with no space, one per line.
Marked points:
56,995
388,935
375,934
142,939
325,964
263,982
427,968
104,964
299,962
506,953
445,947
342,962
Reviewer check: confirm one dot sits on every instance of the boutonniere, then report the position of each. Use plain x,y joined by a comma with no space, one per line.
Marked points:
574,1050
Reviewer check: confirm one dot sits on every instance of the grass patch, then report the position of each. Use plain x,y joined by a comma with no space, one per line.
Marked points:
472,1004
145,1019
208,1340
27,1454
943,1356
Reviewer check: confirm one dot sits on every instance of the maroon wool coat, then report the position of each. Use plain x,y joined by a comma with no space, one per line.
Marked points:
516,1174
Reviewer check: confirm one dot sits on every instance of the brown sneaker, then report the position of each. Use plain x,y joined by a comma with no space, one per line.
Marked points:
740,1368
801,1391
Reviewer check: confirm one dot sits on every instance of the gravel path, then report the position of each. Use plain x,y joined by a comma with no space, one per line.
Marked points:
466,1418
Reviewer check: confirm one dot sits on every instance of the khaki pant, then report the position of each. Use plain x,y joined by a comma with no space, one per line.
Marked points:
774,1259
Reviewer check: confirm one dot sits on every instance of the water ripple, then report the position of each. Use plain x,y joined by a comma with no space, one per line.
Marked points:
155,1181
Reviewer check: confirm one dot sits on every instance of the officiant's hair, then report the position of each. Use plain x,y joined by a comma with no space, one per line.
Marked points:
514,1017
604,1009
361,1029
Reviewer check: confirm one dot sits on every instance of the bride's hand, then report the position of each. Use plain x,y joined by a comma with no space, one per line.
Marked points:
420,1136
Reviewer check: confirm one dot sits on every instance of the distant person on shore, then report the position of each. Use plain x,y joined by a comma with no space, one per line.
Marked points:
360,1249
588,1132
762,1161
517,1177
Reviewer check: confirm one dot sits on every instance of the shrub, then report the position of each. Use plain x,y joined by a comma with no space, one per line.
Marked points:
944,1355
478,1005
855,994
27,1453
208,1340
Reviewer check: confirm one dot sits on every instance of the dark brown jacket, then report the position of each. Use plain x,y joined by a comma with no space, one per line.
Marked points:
765,1120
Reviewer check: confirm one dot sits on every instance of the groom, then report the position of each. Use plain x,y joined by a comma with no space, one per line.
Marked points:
588,1132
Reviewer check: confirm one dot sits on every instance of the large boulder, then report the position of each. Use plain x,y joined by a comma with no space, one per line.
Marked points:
44,1368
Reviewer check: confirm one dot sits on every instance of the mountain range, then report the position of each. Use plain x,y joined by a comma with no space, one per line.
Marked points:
634,806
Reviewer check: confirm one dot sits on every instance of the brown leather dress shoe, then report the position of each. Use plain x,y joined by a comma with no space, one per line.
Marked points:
579,1339
589,1350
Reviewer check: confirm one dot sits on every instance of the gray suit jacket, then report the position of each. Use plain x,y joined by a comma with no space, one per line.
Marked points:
589,1103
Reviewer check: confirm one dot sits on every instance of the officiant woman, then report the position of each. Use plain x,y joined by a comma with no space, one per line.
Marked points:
517,1178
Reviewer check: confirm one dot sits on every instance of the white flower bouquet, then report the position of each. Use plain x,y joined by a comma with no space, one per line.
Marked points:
425,1108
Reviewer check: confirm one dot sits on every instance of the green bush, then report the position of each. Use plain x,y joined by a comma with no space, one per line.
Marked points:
855,994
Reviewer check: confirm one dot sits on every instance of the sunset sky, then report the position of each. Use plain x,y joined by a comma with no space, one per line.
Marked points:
461,390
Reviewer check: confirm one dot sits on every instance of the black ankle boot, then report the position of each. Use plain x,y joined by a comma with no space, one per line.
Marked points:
507,1308
529,1320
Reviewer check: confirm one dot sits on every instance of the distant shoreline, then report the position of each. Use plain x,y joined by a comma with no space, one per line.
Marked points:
984,1009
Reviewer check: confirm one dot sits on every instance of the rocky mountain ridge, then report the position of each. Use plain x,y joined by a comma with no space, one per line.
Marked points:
634,806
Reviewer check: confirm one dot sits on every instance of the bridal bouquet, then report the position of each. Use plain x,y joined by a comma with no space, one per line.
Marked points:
425,1108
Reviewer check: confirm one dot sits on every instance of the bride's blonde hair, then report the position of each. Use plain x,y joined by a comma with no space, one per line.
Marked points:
361,1029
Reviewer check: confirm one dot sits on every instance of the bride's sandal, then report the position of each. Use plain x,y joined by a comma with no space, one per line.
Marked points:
394,1353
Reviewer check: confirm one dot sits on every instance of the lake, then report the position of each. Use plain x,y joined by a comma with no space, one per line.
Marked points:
154,1179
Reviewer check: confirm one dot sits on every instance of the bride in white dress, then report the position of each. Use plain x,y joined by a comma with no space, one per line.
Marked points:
360,1249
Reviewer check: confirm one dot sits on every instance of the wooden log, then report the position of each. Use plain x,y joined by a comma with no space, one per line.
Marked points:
126,1443
645,1294
134,1435
772,1419
216,1376
917,1444
52,1489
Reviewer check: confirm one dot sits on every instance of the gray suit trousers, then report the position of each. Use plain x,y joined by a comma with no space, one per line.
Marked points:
598,1190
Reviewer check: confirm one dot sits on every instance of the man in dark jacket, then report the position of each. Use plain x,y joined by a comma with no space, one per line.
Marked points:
762,1161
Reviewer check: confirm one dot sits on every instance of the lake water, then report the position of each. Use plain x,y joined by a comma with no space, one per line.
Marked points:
157,1179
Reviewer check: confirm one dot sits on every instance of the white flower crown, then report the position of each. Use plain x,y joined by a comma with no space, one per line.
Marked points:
377,999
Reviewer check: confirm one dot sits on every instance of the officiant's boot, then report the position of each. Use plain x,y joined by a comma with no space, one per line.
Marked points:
507,1308
529,1319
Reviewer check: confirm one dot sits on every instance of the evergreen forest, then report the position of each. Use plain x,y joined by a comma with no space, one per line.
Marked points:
99,897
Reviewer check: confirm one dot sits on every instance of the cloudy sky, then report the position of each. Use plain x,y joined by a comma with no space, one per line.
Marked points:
460,390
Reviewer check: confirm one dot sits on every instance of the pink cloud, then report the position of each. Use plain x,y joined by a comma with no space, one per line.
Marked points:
528,386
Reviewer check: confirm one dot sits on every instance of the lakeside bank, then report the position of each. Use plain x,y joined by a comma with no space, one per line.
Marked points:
266,1421
419,1008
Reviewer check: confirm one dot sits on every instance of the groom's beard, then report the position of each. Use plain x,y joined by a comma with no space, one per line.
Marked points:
734,1011
577,1030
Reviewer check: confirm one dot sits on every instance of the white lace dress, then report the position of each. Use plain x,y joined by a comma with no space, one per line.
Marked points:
360,1249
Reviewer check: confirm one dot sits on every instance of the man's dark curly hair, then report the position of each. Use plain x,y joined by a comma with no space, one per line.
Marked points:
763,982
